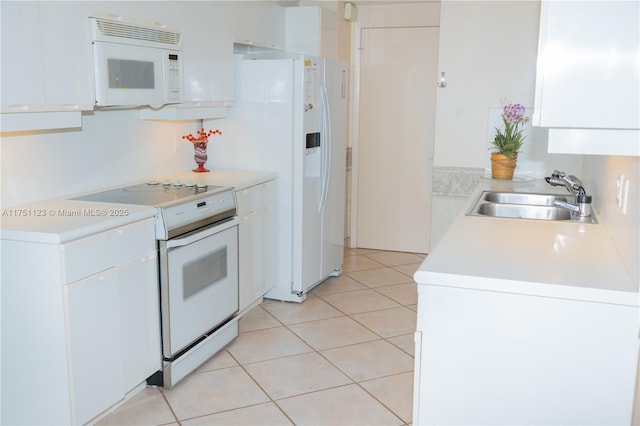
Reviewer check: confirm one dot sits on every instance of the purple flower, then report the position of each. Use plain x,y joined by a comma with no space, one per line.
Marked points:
514,113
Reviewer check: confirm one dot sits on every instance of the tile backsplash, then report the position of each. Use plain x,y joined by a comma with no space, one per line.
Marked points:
451,188
112,147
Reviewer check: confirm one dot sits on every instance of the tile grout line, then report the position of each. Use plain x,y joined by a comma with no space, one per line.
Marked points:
343,314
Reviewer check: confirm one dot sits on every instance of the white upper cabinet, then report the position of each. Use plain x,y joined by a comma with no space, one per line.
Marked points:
207,34
22,66
114,9
259,23
207,30
312,30
66,50
588,76
46,64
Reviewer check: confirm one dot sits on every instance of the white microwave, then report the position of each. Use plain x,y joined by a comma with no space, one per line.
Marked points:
135,65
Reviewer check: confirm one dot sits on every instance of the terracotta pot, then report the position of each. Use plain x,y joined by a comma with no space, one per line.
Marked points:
502,167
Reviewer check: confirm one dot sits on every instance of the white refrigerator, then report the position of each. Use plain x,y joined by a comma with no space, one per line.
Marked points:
290,117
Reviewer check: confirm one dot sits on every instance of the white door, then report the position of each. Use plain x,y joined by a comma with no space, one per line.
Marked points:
398,68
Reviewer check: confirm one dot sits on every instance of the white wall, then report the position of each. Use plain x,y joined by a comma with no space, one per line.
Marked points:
112,148
599,180
488,50
401,14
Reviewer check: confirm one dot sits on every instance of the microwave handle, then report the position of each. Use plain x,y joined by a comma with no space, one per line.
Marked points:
200,234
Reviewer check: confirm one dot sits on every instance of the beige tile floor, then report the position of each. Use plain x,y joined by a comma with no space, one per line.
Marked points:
342,357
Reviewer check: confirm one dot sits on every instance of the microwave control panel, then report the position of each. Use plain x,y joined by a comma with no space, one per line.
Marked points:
173,74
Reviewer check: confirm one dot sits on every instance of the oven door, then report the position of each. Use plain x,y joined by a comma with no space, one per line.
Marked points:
198,284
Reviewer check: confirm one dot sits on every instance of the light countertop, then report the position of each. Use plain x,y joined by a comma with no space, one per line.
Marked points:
239,179
57,221
534,257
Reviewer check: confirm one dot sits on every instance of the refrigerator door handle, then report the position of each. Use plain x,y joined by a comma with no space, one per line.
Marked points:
326,146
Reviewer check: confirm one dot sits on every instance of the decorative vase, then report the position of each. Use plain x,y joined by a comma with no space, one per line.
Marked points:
200,155
502,167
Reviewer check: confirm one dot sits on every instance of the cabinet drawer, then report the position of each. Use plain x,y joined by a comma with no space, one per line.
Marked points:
99,252
255,197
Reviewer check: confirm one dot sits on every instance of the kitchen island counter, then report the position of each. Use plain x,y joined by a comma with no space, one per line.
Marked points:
538,257
524,322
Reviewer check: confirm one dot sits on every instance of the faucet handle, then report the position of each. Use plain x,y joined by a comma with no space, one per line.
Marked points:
574,182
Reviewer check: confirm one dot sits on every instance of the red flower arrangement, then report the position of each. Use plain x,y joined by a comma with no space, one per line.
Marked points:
203,136
200,147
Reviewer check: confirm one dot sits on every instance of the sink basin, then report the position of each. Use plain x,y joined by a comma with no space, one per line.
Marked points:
524,198
525,205
521,211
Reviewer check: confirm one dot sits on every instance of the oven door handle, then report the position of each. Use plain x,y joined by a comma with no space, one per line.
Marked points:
199,234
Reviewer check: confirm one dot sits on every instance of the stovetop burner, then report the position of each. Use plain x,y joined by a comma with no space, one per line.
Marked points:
152,193
180,208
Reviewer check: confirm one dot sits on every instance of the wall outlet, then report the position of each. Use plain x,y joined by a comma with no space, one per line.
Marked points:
622,192
178,144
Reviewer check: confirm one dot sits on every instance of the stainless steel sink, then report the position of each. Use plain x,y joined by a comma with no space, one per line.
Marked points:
524,205
525,198
521,211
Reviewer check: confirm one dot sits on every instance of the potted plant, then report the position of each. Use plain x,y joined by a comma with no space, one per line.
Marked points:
507,143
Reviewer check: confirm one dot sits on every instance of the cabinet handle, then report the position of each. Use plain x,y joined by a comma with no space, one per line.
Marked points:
19,107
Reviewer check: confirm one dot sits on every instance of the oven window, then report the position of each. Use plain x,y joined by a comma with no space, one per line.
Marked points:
127,74
204,272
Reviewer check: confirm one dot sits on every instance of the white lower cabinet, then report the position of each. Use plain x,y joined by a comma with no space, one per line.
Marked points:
488,357
95,346
80,324
256,235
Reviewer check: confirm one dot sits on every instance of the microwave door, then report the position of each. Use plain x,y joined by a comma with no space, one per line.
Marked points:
128,75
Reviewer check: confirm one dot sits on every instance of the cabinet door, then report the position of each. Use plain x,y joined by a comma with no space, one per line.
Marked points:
269,248
260,24
66,53
115,9
269,228
257,242
312,30
588,73
95,344
250,259
46,57
22,80
140,320
207,33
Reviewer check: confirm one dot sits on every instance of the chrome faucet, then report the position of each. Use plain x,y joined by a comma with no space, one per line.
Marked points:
574,185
